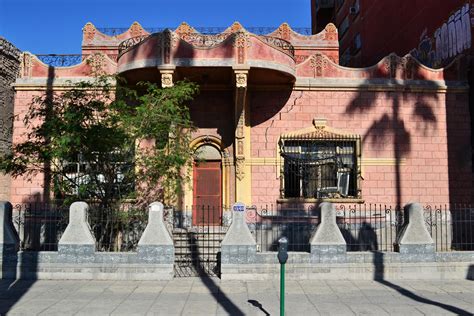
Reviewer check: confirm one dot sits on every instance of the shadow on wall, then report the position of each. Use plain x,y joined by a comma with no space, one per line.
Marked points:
409,115
391,126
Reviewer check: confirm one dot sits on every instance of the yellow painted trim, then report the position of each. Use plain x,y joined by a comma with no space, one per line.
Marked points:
274,161
225,165
320,200
383,162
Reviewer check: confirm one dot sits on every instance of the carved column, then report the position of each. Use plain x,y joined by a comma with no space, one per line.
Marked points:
242,138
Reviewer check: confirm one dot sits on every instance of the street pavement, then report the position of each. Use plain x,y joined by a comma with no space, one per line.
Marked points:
211,296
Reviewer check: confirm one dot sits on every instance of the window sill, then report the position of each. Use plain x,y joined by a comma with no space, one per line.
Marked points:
320,200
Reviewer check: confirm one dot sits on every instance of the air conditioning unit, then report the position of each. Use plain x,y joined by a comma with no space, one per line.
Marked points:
353,10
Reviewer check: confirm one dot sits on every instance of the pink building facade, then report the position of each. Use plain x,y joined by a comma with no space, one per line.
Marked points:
281,122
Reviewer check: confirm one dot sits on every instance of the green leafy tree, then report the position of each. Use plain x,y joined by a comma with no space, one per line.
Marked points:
91,139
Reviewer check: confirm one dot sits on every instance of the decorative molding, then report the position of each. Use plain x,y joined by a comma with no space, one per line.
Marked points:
236,27
241,43
26,64
319,63
169,40
376,84
136,30
319,130
409,65
97,63
204,41
240,168
330,32
88,32
166,78
284,31
300,58
184,28
241,79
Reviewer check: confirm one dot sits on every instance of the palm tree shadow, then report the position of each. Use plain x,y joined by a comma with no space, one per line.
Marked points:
389,132
379,271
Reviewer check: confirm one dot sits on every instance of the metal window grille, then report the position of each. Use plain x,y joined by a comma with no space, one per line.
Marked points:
84,172
319,168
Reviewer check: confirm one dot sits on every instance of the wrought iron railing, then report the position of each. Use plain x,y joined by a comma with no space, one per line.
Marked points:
270,222
280,44
41,225
117,228
451,227
259,30
198,231
64,60
365,227
130,42
370,227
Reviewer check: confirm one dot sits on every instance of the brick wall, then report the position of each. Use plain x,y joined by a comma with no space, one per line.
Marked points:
407,130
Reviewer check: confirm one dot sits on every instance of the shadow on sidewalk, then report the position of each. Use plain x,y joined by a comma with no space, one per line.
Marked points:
379,277
213,288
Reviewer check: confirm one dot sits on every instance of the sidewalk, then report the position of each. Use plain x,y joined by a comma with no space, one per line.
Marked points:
196,296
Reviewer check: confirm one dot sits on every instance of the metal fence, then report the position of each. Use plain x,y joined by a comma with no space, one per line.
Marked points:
117,228
370,227
198,231
269,222
41,225
260,30
451,227
365,227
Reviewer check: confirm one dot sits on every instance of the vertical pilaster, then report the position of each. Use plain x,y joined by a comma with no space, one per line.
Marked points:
242,138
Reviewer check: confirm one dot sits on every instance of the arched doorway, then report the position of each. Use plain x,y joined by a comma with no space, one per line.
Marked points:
207,186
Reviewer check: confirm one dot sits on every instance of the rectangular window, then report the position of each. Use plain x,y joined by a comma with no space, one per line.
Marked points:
319,168
93,173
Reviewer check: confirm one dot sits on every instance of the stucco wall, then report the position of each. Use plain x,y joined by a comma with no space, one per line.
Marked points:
409,125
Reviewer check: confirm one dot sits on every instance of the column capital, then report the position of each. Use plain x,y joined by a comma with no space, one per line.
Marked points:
166,78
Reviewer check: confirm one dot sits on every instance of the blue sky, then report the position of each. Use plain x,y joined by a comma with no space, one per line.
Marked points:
54,26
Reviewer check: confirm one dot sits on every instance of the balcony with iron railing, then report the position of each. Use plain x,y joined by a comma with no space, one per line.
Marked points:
204,36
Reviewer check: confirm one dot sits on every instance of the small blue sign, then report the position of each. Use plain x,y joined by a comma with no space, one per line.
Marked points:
238,207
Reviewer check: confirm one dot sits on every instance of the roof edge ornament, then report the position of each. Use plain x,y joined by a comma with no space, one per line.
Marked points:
185,28
331,33
89,31
136,29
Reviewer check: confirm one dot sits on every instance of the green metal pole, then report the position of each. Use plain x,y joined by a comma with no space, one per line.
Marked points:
282,289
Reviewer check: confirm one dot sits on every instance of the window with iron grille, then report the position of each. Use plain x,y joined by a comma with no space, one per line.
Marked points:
92,172
319,168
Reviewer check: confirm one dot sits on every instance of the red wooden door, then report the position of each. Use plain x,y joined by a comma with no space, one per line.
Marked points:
207,194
